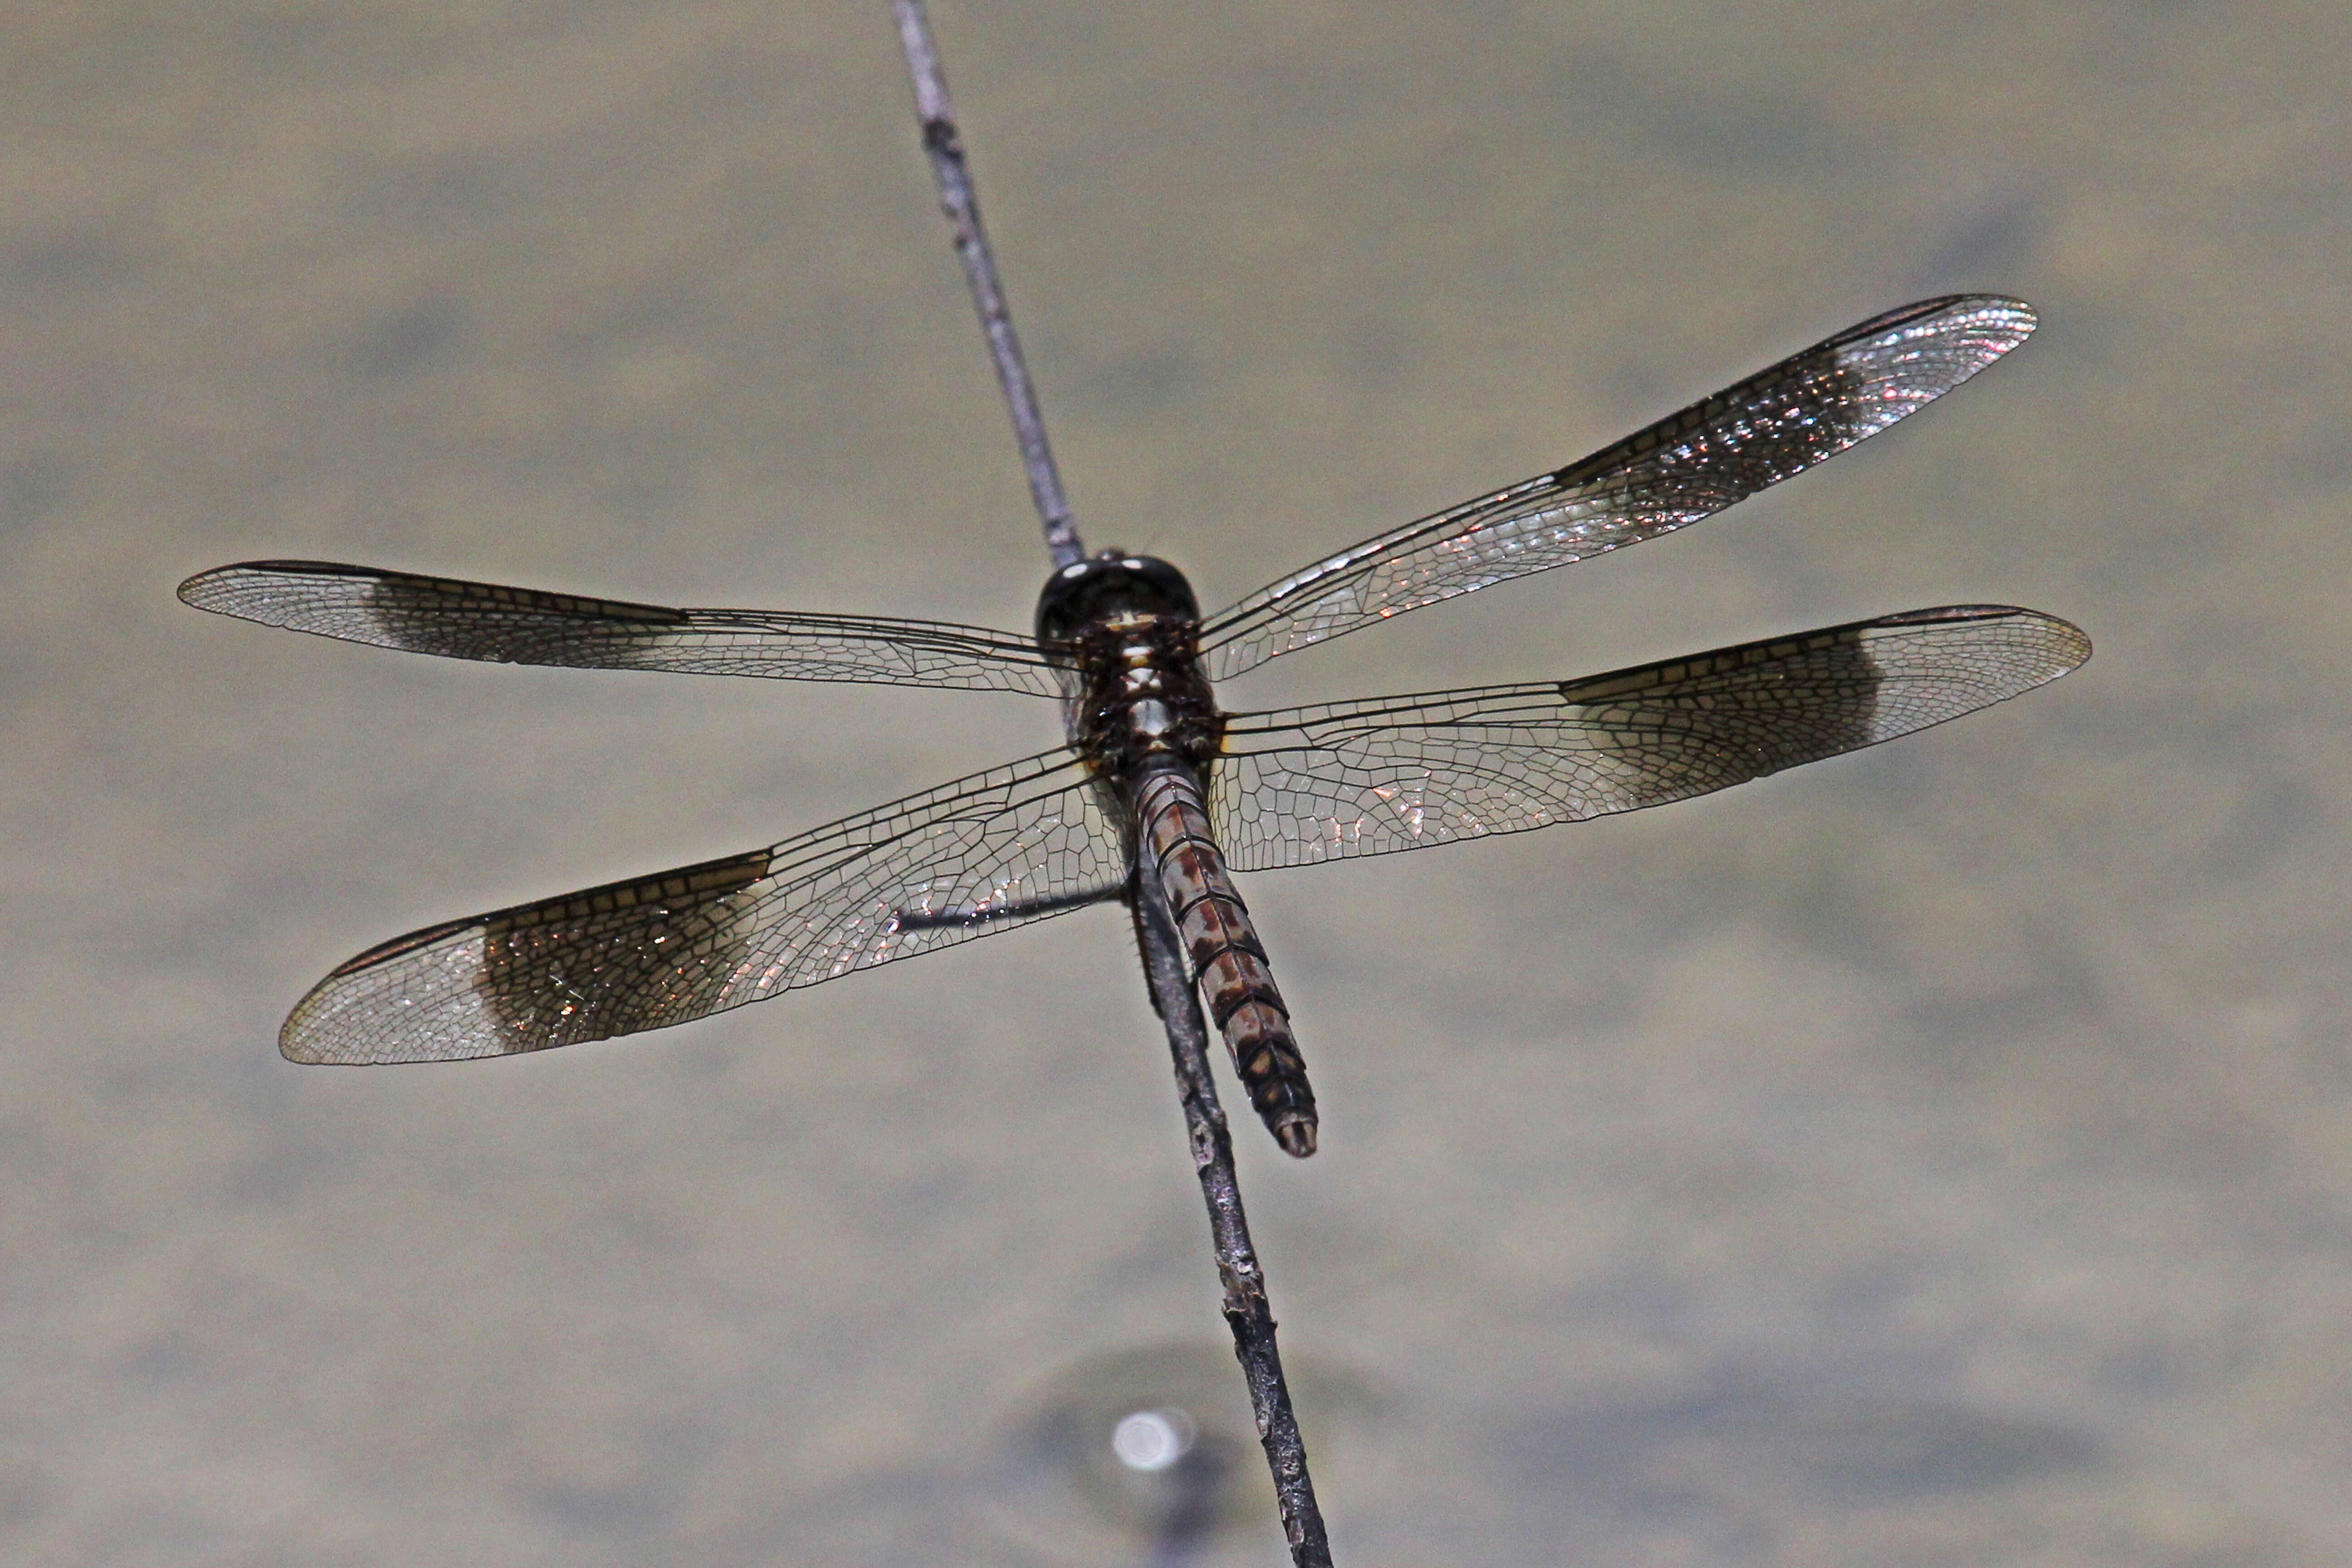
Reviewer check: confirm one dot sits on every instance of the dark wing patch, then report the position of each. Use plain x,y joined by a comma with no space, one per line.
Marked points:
1404,772
555,973
457,619
1776,423
989,852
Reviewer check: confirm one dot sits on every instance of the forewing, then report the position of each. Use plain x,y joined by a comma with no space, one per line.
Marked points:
523,625
994,851
1776,423
1404,772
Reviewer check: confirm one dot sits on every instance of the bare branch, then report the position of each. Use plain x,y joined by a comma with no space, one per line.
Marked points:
1247,1311
1166,971
961,202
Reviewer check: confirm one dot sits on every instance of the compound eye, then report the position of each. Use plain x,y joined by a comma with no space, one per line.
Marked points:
1069,598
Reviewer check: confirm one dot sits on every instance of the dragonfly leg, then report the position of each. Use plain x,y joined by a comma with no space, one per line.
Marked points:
983,914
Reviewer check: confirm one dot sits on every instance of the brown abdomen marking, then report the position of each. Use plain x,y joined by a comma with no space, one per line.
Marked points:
1227,961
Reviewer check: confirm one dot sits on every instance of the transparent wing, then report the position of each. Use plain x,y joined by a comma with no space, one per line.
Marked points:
1403,773
522,625
983,853
1776,423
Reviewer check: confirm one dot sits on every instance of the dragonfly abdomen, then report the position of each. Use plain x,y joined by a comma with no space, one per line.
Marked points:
1229,964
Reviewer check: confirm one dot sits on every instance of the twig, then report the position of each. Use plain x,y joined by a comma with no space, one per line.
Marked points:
961,204
1166,973
1247,1312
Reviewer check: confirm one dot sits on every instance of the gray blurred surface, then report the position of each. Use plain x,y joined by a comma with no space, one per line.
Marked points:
1937,1156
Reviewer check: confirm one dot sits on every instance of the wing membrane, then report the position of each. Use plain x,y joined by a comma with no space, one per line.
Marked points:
1776,423
459,619
1404,772
983,853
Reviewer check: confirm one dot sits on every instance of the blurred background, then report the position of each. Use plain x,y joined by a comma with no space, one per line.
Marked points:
1940,1155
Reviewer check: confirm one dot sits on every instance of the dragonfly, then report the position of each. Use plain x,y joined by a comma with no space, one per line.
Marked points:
1158,792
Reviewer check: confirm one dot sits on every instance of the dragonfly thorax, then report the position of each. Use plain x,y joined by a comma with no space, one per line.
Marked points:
1126,627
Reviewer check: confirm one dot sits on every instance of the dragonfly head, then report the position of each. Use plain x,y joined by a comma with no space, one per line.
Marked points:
1088,592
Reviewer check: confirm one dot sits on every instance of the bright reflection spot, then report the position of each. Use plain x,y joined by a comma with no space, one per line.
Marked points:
1153,1440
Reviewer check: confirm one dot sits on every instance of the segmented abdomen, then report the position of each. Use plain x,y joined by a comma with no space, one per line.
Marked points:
1227,961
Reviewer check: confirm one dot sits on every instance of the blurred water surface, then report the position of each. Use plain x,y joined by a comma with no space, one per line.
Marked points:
1939,1156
